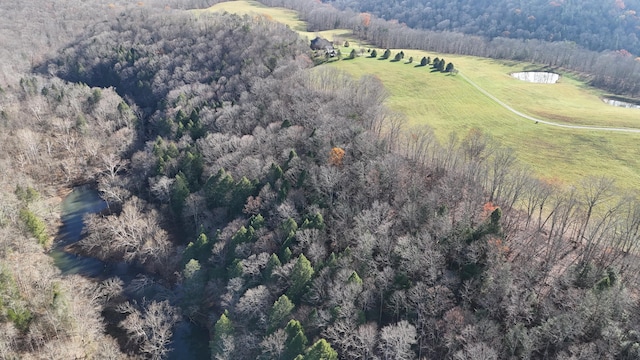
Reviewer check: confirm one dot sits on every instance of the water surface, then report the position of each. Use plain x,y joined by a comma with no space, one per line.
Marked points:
539,77
619,103
189,341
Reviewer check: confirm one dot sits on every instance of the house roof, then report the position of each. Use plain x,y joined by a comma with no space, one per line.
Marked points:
321,44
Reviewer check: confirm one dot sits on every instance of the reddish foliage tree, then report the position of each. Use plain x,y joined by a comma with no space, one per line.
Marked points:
366,19
335,156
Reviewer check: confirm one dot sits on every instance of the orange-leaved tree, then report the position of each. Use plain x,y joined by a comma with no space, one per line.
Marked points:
335,156
488,208
366,19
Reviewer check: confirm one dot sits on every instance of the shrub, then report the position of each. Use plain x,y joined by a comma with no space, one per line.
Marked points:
35,226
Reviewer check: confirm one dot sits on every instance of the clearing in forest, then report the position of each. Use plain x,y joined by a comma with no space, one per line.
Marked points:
448,103
281,15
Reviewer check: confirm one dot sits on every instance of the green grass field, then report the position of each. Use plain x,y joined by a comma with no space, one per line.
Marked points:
282,15
447,103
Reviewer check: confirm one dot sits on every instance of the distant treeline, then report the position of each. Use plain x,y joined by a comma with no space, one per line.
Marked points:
617,72
594,24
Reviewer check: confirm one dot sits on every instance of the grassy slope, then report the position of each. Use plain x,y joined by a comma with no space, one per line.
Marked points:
282,15
449,104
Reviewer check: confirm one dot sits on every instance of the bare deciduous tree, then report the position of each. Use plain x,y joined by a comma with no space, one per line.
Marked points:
134,235
273,345
150,326
396,341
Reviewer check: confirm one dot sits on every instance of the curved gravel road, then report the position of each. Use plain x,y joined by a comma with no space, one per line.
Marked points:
540,121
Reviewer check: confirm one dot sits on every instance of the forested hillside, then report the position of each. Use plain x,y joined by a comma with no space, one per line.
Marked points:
284,209
306,224
53,135
595,24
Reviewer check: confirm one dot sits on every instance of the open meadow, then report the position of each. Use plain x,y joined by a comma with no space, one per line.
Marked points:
448,103
281,15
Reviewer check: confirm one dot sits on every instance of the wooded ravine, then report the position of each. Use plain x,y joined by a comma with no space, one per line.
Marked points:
280,206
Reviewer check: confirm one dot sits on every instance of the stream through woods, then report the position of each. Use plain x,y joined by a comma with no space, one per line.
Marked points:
189,341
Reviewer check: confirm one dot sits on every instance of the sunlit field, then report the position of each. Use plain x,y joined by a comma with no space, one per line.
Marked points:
448,103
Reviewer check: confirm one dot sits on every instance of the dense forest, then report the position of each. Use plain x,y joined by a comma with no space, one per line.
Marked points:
282,207
596,25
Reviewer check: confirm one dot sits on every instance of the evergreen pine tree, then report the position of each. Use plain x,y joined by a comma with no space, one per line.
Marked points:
280,311
272,264
449,67
321,350
296,340
222,330
300,276
179,194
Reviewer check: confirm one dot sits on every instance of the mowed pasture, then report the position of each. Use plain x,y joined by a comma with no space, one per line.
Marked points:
281,15
449,104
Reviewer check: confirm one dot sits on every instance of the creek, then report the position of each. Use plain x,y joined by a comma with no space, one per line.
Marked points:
189,341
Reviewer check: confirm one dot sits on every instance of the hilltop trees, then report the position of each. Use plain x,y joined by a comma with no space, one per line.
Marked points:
439,65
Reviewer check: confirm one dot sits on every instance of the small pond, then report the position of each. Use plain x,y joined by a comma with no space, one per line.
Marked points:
619,103
189,341
539,77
